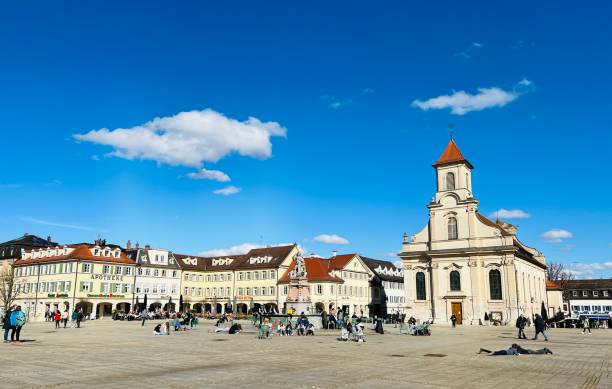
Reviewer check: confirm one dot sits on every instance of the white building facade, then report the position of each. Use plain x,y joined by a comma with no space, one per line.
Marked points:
158,277
465,264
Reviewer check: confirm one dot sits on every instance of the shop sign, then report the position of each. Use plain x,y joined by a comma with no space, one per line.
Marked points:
106,277
119,296
57,295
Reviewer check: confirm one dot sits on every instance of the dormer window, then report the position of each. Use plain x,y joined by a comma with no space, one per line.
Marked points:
116,254
450,181
452,229
106,253
96,252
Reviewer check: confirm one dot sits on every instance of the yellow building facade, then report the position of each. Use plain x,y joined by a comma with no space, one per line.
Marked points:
96,279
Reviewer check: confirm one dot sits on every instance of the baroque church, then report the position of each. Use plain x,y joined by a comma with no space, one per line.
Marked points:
466,264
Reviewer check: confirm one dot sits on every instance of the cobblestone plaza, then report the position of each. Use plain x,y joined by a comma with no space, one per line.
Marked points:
107,354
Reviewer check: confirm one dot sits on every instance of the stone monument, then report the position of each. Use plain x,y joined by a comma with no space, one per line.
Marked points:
299,288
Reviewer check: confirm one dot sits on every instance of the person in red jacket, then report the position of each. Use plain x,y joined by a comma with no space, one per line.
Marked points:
57,317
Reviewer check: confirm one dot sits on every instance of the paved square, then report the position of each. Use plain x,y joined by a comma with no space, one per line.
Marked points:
105,354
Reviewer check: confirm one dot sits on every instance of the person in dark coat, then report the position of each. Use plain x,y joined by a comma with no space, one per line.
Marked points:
453,320
521,322
379,326
6,323
540,327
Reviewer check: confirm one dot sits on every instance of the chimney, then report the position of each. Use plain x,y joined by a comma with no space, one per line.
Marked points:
137,245
128,245
334,253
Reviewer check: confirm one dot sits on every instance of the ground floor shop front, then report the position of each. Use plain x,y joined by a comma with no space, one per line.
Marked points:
92,308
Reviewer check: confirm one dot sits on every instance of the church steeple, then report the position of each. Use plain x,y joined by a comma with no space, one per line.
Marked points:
453,173
452,154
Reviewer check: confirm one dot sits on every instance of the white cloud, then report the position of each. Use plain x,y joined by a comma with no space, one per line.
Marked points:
189,138
227,191
242,248
525,82
330,239
55,224
335,103
556,235
467,53
234,250
204,174
510,214
462,102
589,269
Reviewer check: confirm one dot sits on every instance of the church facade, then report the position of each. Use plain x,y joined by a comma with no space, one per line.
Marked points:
465,264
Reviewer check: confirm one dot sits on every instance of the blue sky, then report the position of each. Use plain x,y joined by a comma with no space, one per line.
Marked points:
352,102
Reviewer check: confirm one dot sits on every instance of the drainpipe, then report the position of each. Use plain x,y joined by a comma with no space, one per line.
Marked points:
431,291
37,285
76,273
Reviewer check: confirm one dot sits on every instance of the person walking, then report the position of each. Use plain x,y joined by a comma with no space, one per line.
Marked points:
79,318
586,325
144,315
65,317
18,320
57,317
521,322
73,318
324,319
453,320
540,327
6,323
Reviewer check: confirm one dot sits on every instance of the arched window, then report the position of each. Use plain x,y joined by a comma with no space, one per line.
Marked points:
495,284
420,286
450,181
452,228
455,280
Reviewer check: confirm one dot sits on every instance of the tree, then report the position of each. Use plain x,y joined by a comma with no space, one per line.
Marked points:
558,273
8,287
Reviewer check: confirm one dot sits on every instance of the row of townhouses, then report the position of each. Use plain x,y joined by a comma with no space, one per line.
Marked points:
102,278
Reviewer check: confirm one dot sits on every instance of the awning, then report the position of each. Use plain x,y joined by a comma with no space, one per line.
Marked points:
604,317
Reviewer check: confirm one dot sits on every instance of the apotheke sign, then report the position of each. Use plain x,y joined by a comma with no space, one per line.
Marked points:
106,277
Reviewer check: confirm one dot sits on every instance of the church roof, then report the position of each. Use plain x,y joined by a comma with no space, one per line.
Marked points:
452,154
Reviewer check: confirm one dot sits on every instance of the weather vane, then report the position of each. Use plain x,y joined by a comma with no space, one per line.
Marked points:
451,128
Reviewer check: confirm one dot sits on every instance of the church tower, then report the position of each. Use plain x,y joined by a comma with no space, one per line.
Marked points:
452,210
453,173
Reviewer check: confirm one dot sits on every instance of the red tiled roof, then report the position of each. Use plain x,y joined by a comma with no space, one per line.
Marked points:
340,261
316,271
552,285
451,154
81,252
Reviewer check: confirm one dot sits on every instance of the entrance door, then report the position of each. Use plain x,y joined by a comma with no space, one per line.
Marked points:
456,309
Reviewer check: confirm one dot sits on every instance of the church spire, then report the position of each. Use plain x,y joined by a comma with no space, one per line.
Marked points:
452,154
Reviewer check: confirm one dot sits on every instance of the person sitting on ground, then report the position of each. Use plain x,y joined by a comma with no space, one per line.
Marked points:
162,329
288,329
310,329
349,327
235,329
344,334
281,329
301,329
221,320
